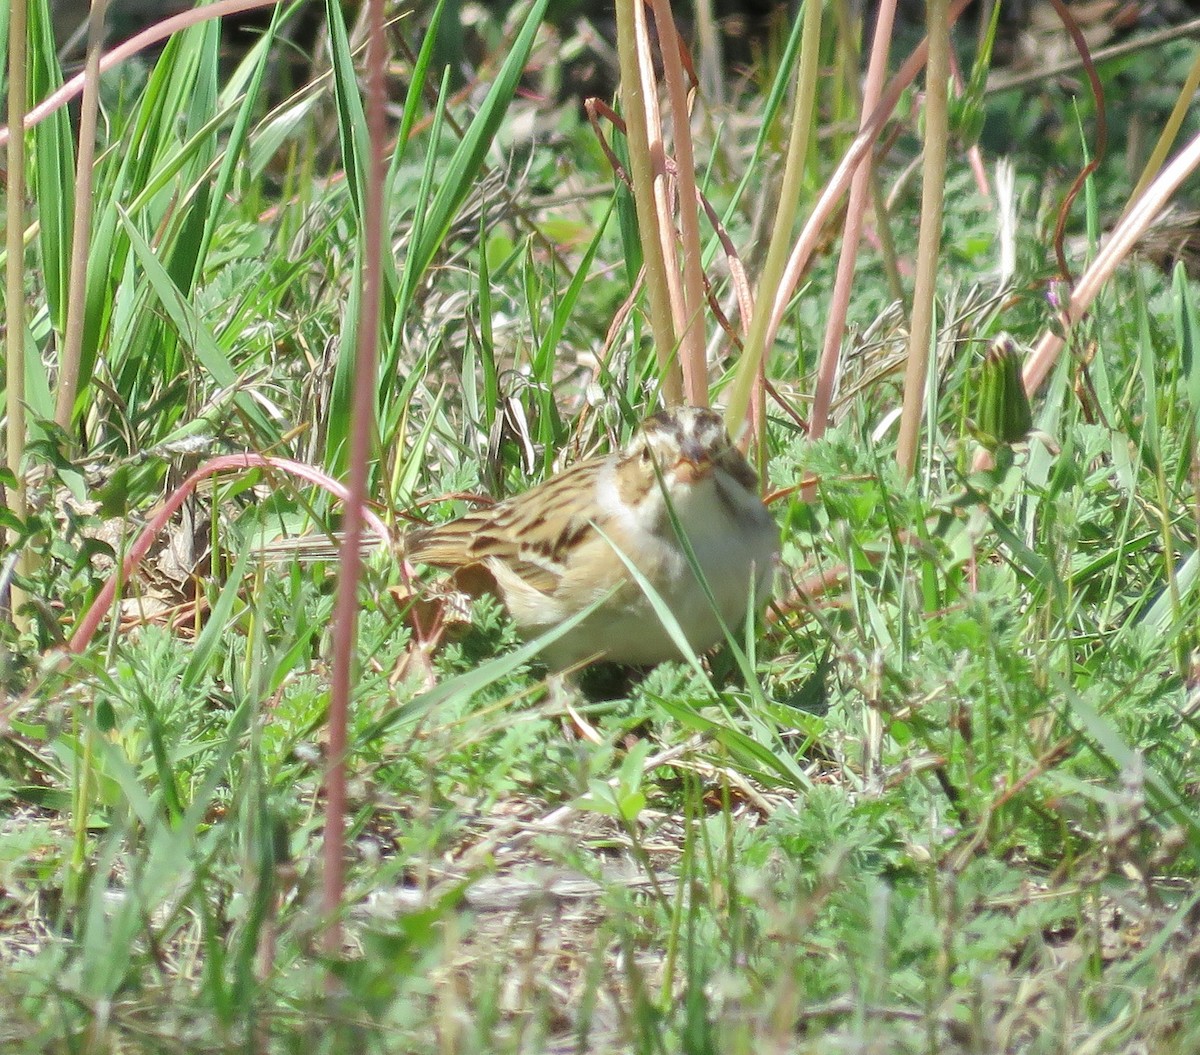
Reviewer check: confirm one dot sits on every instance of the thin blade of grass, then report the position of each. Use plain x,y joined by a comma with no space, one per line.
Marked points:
187,323
456,182
352,118
53,184
261,57
1187,333
477,680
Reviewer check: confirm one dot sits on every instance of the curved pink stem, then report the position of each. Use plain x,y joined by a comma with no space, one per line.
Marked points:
141,546
127,49
1130,228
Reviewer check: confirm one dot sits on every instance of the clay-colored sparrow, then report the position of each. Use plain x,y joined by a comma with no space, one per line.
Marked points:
551,552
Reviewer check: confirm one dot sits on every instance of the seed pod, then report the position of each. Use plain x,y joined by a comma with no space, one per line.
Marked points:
1002,413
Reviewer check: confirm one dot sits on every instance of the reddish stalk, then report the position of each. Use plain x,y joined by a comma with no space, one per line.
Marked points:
860,189
690,326
345,618
643,171
838,183
91,620
143,40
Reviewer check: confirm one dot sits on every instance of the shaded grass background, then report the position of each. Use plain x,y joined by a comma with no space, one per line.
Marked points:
956,812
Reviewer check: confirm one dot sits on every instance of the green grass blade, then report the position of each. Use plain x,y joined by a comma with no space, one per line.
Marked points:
53,183
144,140
416,87
1187,333
352,119
212,637
187,324
456,182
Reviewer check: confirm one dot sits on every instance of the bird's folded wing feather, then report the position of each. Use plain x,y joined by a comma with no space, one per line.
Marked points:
532,535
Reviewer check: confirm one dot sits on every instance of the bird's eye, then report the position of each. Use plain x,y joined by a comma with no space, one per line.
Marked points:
645,454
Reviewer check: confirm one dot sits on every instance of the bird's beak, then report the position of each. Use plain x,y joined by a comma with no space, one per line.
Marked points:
695,462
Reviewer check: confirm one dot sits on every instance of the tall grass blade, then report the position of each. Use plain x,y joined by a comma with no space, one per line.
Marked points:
259,61
352,118
175,104
53,184
456,182
1187,333
189,325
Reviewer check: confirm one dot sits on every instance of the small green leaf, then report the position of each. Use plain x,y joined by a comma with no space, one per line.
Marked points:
106,719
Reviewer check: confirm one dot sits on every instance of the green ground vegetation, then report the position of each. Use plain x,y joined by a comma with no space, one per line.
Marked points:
946,803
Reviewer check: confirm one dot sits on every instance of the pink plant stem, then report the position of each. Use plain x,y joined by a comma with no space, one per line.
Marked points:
159,31
838,182
661,185
345,619
644,173
1124,236
691,326
95,614
860,189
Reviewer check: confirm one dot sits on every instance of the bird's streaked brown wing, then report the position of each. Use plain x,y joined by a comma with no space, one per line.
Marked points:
531,533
